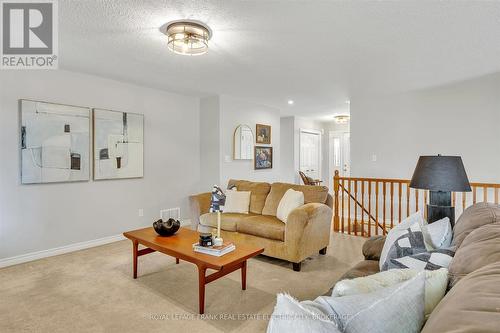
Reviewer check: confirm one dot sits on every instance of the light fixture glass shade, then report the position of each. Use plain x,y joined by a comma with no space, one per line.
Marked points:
440,173
341,119
187,37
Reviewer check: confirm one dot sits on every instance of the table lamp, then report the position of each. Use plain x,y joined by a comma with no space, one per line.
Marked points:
441,175
216,205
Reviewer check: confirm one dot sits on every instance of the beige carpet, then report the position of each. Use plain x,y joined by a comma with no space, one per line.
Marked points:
93,291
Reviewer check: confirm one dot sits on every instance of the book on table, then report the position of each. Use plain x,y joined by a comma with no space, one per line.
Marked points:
214,250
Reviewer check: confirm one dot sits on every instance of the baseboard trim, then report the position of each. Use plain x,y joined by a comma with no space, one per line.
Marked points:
58,250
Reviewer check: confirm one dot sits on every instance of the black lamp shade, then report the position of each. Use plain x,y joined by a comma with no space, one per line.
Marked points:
440,173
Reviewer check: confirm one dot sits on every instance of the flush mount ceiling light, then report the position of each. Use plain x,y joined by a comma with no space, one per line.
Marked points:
290,102
187,37
341,119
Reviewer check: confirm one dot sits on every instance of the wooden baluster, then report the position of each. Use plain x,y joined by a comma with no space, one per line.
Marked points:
496,195
485,194
376,208
369,208
416,200
383,207
362,208
400,189
349,206
336,201
342,198
453,198
407,199
392,205
474,194
356,207
464,198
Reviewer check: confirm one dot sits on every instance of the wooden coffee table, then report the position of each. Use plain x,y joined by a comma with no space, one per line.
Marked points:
180,246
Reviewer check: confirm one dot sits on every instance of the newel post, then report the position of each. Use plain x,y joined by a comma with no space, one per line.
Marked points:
336,187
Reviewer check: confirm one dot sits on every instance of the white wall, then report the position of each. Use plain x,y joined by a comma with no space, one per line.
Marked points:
39,217
210,142
233,113
287,157
459,119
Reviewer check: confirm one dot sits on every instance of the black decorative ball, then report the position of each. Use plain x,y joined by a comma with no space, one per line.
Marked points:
166,228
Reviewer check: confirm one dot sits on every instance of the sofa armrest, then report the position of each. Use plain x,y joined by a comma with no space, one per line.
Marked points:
372,248
199,205
308,229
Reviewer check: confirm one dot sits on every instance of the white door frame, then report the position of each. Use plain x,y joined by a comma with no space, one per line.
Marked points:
312,131
331,135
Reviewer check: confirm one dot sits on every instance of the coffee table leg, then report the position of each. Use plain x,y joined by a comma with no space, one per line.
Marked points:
244,276
201,286
135,250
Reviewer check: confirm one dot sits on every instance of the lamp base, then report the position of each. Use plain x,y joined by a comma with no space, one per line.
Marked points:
440,207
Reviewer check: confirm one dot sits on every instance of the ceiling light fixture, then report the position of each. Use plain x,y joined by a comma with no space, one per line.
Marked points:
187,37
290,102
342,119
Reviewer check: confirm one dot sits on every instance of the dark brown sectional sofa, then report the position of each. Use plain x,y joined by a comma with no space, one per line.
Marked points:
472,303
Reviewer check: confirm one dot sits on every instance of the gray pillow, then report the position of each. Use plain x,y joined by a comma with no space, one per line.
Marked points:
431,260
396,309
409,243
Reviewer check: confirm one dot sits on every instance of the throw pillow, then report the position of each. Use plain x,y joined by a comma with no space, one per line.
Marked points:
411,241
396,232
438,234
291,200
290,315
376,312
237,202
436,283
431,260
398,308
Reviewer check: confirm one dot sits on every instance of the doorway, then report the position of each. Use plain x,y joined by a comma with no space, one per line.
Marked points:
310,153
340,154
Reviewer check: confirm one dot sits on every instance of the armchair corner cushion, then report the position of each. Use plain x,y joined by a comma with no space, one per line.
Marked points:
435,284
291,199
372,248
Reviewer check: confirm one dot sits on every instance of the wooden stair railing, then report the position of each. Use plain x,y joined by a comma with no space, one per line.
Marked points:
385,202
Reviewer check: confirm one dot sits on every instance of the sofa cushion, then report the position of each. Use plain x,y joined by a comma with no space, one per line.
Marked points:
259,192
474,217
228,221
317,194
262,226
480,248
471,305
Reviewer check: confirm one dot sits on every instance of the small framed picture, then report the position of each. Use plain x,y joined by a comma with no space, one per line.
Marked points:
263,157
263,134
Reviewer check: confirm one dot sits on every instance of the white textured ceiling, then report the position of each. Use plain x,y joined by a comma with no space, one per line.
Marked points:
318,53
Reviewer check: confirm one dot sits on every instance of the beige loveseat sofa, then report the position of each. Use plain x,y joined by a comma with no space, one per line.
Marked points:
473,302
306,232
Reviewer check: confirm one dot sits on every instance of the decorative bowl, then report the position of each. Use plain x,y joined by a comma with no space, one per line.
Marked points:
166,228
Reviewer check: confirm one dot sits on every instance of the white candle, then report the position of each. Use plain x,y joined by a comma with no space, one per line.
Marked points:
218,224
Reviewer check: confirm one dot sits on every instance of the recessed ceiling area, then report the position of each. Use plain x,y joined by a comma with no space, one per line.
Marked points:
318,54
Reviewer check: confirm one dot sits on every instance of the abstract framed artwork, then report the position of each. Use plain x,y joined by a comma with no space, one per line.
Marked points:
55,142
263,134
263,157
118,144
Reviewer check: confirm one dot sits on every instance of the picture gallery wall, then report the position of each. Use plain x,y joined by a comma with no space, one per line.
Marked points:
57,141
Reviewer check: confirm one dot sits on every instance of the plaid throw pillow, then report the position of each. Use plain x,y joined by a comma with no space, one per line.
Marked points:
410,243
431,260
